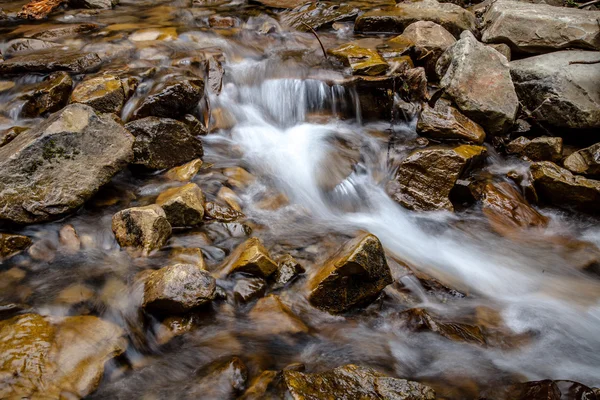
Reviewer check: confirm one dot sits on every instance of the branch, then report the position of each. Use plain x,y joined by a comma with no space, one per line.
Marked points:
585,62
589,3
317,36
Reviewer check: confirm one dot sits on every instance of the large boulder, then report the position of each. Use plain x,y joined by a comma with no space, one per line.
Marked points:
353,277
453,18
560,88
447,123
250,257
51,60
48,96
104,93
478,79
143,228
53,168
540,28
542,148
163,143
172,99
426,177
184,205
585,161
353,382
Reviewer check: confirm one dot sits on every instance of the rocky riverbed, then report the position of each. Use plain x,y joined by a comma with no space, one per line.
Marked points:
287,199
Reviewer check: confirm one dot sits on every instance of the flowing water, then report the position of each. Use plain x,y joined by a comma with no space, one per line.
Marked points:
327,176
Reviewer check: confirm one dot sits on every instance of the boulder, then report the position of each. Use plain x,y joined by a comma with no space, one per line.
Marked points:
7,135
53,168
585,161
249,289
558,186
51,60
144,228
185,172
542,148
317,14
171,99
361,60
558,90
478,80
183,205
426,177
94,4
271,316
252,258
540,28
49,96
220,213
41,357
163,143
396,19
419,319
352,277
178,288
104,93
26,45
353,382
11,244
445,122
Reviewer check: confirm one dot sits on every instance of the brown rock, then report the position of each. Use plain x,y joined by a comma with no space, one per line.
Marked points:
75,294
537,149
238,177
12,244
143,228
361,60
220,213
183,205
446,122
69,239
25,45
185,172
260,387
289,269
353,277
172,99
222,379
104,93
229,197
317,14
252,258
248,289
585,161
51,60
271,315
49,96
39,9
7,135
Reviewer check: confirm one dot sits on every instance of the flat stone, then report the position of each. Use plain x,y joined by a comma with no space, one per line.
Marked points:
252,258
171,99
104,93
542,148
144,228
585,161
361,60
26,45
49,60
183,205
49,96
418,319
446,122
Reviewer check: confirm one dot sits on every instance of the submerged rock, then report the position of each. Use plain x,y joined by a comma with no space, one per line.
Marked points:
446,122
585,161
541,390
26,45
104,93
51,60
163,143
271,316
172,99
353,382
540,28
49,96
288,270
252,258
558,90
183,205
426,177
143,228
178,288
362,61
537,149
185,172
317,14
11,244
353,277
221,379
249,289
53,168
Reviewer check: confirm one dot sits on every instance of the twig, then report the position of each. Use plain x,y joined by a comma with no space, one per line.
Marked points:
585,62
589,3
317,36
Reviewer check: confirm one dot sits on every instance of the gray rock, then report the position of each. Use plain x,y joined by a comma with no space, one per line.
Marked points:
560,93
104,93
95,4
540,28
585,161
537,149
478,79
53,168
141,228
49,96
183,205
51,60
172,99
25,45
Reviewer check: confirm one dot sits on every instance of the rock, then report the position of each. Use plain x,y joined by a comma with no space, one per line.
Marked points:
25,45
352,277
215,74
221,379
271,316
69,240
39,9
220,213
94,4
6,85
478,79
238,177
446,122
560,93
585,161
11,244
249,289
222,22
49,96
430,40
53,168
229,197
260,388
426,177
317,14
144,228
185,172
75,294
183,205
178,289
60,31
171,99
540,28
537,149
540,390
288,270
353,382
51,60
418,319
252,258
396,19
502,49
558,186
362,61
7,135
163,143
44,358
375,95
104,93
196,126
282,3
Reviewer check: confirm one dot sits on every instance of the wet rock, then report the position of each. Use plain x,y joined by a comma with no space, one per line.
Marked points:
69,240
185,172
424,180
75,294
375,95
51,60
94,4
219,21
288,270
104,93
282,3
540,28
362,61
61,31
222,379
144,228
53,168
353,382
396,19
557,90
537,149
445,122
163,143
272,316
39,9
49,96
229,197
11,244
540,390
44,358
238,177
172,99
317,14
585,161
252,258
196,126
260,388
353,277
221,213
7,135
183,205
478,79
558,186
178,289
249,289
6,85
25,45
